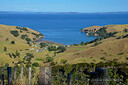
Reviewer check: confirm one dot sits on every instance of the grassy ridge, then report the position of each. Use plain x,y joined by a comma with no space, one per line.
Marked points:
107,49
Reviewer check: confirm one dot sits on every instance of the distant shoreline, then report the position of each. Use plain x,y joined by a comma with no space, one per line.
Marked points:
29,12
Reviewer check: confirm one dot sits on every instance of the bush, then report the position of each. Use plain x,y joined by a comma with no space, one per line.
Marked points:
34,38
37,35
35,64
28,39
14,55
15,33
61,49
12,42
23,36
5,49
43,45
22,28
49,59
52,48
17,54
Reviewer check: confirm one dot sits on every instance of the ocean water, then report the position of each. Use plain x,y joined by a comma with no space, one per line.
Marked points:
63,28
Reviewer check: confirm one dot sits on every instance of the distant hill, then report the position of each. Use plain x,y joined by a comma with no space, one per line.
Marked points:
28,12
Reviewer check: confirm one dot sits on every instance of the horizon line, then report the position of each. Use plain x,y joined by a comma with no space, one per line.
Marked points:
62,12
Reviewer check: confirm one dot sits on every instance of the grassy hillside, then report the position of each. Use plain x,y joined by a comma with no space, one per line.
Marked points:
21,45
101,50
110,28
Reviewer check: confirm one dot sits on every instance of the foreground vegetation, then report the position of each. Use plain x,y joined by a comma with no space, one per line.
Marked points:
80,74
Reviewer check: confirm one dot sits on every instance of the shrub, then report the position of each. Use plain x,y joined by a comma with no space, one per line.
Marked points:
12,42
52,48
34,38
17,54
35,35
43,45
15,33
49,59
35,64
14,55
5,49
28,39
61,49
22,28
23,36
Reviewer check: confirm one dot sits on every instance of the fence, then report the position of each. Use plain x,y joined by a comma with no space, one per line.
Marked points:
11,76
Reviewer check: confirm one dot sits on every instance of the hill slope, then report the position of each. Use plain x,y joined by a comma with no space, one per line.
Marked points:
20,44
112,47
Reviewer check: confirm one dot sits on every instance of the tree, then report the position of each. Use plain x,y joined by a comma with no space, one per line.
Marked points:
28,39
24,36
43,45
15,33
12,42
52,48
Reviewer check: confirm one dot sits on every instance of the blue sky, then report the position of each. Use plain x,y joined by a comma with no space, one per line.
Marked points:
64,5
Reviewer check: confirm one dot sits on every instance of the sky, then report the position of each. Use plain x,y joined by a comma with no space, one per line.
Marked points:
85,6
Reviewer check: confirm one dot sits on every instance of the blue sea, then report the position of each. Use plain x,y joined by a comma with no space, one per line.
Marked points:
63,28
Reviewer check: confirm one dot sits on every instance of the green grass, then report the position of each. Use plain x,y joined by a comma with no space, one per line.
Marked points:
39,59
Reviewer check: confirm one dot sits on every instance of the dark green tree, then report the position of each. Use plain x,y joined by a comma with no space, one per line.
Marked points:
12,42
15,33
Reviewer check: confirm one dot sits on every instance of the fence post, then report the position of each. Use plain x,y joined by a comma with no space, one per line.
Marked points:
29,76
3,78
69,79
9,76
45,76
21,76
15,74
48,75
